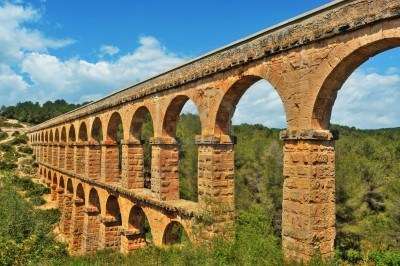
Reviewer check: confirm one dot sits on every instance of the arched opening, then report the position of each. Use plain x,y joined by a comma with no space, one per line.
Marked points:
113,159
141,131
57,135
51,139
112,222
94,159
174,234
359,99
139,232
48,179
182,123
97,131
71,134
78,220
63,135
70,154
249,120
92,230
80,149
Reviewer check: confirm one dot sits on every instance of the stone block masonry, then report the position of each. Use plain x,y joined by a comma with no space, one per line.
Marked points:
306,59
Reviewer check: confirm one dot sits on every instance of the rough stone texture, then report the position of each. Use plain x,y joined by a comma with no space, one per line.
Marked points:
308,217
306,60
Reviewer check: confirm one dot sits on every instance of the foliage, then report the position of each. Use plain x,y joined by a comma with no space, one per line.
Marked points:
25,232
35,113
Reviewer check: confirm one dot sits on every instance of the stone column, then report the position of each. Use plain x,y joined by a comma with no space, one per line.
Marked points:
80,160
164,168
61,155
110,233
70,157
110,162
53,189
45,153
66,218
93,165
132,239
132,164
216,186
60,199
308,209
77,226
91,229
56,148
50,153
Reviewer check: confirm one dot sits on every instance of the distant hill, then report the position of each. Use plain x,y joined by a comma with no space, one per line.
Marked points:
35,113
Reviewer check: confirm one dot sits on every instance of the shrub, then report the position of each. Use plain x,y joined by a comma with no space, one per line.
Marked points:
388,258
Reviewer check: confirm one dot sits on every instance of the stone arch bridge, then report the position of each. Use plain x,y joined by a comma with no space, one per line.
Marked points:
101,190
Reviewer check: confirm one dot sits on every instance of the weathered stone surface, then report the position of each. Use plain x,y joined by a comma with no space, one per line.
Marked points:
306,60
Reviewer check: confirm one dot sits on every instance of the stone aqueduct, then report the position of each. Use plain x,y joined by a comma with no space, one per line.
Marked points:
103,198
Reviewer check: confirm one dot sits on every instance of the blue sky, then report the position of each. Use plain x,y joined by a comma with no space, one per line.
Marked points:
84,50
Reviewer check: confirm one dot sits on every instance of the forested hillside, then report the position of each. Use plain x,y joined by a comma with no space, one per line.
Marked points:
367,196
34,113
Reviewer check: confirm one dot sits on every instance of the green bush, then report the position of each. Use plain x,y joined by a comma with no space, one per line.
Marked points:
386,258
3,135
20,139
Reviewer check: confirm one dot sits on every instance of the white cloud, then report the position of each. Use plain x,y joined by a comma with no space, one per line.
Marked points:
77,79
17,38
260,104
108,50
29,71
369,100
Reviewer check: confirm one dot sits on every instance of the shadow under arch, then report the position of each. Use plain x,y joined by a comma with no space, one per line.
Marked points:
327,94
175,233
82,134
139,228
172,113
141,130
184,128
71,134
96,132
227,106
64,134
111,238
57,135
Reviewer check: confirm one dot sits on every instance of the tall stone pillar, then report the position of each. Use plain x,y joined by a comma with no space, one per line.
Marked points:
132,164
55,154
110,233
61,155
110,162
164,168
66,219
216,185
93,165
77,226
308,209
70,157
60,199
80,160
45,153
50,153
91,229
